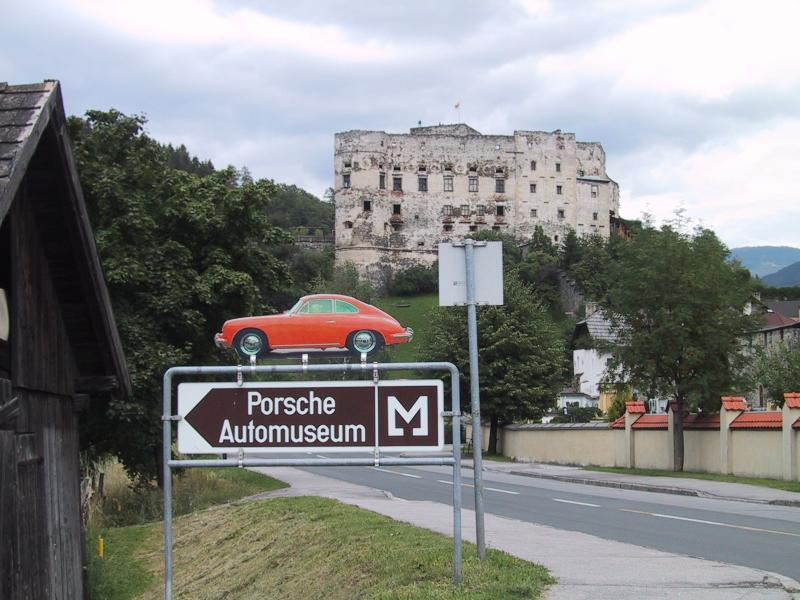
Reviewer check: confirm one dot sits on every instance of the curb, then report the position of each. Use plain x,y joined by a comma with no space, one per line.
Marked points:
644,487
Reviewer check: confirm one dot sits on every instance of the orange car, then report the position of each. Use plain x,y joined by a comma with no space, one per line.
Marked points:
316,322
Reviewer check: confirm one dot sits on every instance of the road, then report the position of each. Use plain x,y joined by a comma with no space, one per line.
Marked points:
755,535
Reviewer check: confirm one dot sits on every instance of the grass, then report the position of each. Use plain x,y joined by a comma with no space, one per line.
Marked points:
415,315
467,453
307,548
778,484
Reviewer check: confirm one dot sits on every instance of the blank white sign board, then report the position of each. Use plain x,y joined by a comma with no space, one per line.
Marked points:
453,274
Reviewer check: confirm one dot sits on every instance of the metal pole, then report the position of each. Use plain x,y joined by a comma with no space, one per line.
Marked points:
475,397
167,475
456,410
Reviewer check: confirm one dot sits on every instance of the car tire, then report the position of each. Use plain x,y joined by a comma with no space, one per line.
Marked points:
364,341
251,342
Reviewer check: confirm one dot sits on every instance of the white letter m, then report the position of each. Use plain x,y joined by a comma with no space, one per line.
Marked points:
420,406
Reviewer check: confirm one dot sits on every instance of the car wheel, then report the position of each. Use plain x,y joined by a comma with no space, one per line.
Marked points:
364,341
250,342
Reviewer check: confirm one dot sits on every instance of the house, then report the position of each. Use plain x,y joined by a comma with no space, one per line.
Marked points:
776,329
787,308
59,347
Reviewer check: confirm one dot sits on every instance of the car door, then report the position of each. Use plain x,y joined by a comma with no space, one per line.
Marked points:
314,325
348,319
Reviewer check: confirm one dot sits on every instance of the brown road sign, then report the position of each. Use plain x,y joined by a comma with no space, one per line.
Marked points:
305,416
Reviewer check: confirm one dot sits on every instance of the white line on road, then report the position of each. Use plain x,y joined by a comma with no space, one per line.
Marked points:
397,473
575,502
746,528
491,489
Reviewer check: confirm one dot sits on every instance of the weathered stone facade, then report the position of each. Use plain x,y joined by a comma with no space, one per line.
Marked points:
398,195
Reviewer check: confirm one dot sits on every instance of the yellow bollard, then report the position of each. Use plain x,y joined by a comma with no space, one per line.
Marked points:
101,547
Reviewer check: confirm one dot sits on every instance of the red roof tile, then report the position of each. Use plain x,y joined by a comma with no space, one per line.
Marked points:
774,319
701,421
636,407
733,403
792,399
651,422
758,420
619,423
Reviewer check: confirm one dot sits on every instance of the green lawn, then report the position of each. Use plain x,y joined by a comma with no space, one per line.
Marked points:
307,548
411,311
778,484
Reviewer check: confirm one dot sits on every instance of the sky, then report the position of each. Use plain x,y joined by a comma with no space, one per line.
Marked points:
697,104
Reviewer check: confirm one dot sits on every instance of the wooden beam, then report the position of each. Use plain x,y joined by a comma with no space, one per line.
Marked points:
96,384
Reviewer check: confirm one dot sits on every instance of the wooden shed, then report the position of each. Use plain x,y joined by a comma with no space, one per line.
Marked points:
59,346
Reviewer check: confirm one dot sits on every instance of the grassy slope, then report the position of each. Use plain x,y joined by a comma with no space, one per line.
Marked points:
306,548
791,486
414,316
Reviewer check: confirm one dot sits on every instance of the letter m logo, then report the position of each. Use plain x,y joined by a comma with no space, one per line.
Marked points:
420,407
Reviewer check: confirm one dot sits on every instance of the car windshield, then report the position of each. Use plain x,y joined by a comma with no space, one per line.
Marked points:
296,307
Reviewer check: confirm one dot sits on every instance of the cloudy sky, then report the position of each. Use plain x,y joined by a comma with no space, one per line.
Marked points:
697,103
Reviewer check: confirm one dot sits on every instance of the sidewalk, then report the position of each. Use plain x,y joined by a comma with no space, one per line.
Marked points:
666,485
587,567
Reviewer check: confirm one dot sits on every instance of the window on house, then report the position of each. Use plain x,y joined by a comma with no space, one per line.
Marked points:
480,210
500,210
448,183
422,184
346,180
473,184
533,165
594,216
533,188
594,191
382,181
534,212
558,167
465,210
447,210
397,184
559,189
500,186
395,209
560,213
367,205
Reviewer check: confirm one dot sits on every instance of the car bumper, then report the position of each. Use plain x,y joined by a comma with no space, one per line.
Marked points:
406,336
220,341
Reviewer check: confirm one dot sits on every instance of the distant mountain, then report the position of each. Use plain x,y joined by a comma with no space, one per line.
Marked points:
785,277
763,260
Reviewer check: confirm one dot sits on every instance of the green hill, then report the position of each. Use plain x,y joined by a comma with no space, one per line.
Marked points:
763,260
788,276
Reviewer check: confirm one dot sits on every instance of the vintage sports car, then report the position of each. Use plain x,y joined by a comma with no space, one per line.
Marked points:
320,321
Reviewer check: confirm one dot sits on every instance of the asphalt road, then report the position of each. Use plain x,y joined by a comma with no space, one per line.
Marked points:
755,535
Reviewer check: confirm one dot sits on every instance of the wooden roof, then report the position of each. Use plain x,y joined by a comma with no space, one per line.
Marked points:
34,146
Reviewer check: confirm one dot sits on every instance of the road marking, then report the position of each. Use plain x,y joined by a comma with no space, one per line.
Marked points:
745,527
575,502
397,473
491,489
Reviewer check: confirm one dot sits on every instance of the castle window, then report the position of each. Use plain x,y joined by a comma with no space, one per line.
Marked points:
423,169
500,185
480,210
501,210
533,165
422,183
594,191
473,170
473,184
465,210
420,243
558,167
495,227
560,213
396,226
347,164
346,180
555,238
448,183
447,210
382,181
534,212
348,224
367,205
397,184
594,216
473,228
533,188
395,209
559,189
581,173
448,227
396,167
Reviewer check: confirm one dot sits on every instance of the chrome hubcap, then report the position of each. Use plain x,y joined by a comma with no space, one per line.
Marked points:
250,344
364,341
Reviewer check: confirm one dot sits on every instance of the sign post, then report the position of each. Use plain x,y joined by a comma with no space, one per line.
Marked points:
454,291
270,417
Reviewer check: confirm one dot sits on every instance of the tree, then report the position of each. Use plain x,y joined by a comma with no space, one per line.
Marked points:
520,353
181,254
677,305
778,370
